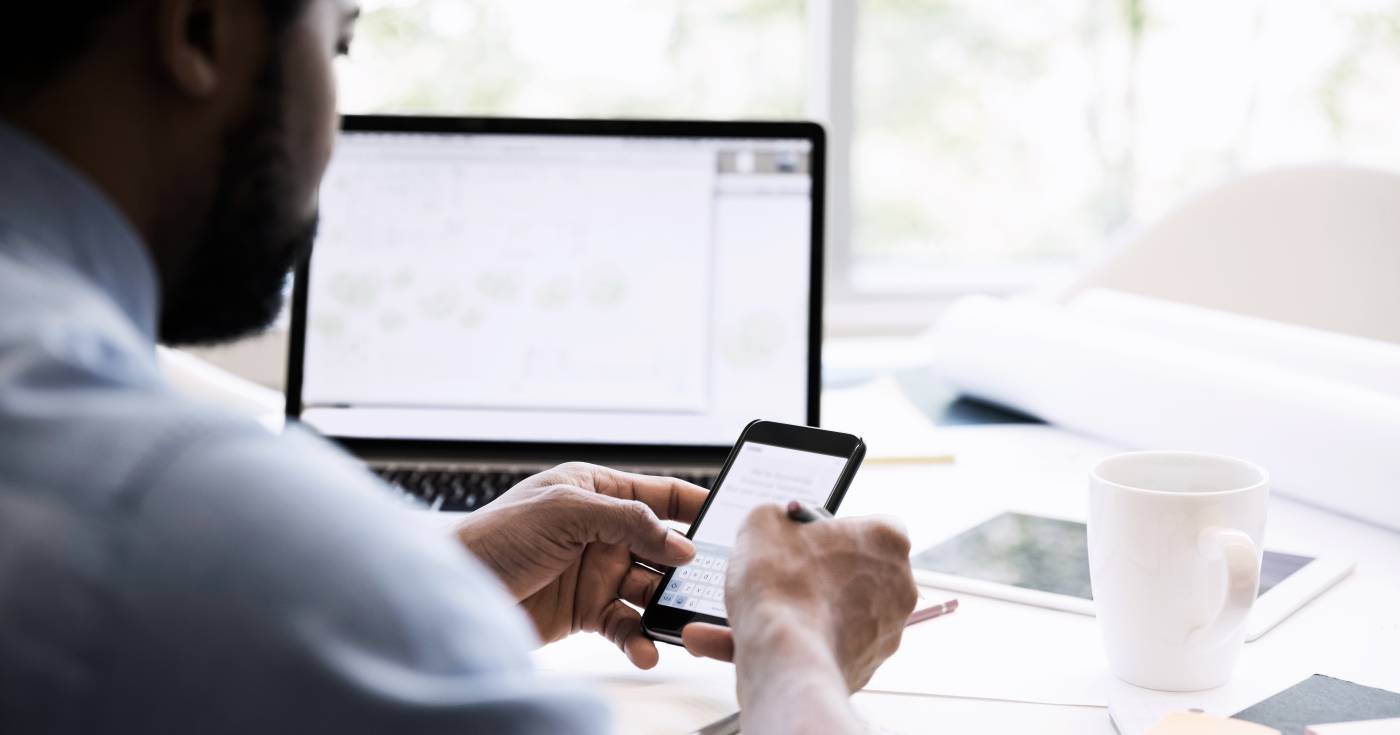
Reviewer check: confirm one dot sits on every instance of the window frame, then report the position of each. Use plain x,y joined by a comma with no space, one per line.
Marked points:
873,298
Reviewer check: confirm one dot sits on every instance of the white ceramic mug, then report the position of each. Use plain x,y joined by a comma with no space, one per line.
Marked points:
1175,543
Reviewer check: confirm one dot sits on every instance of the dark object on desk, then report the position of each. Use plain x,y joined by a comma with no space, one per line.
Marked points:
946,407
1319,700
973,412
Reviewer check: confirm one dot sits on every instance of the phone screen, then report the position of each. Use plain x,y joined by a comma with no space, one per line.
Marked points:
760,473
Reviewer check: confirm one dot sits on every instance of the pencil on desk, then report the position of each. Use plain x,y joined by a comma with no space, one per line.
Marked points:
929,613
913,459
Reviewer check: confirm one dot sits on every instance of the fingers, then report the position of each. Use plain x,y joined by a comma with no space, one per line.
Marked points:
597,606
623,626
885,531
764,525
638,585
768,515
708,641
669,498
633,525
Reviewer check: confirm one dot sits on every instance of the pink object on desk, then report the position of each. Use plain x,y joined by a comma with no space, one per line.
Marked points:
929,613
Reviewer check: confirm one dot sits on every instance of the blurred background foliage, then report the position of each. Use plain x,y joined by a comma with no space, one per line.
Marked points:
988,132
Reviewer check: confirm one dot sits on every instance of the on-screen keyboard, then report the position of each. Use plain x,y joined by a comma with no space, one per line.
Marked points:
699,585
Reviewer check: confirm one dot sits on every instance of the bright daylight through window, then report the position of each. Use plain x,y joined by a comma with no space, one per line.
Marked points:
991,140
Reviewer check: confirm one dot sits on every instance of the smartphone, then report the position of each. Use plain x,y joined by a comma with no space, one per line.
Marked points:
771,463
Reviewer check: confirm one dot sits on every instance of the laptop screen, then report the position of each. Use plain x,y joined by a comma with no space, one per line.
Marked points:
602,289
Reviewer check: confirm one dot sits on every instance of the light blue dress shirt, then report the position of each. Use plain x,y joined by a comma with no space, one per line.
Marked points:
165,567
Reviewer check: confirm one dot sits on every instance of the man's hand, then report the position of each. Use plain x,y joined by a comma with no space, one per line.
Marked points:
564,541
814,609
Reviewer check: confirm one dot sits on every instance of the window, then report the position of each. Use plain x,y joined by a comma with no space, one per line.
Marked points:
1007,132
988,141
604,58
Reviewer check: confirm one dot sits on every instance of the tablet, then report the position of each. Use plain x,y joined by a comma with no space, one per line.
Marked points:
1045,562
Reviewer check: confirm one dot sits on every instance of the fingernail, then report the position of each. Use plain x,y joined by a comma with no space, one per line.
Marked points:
678,545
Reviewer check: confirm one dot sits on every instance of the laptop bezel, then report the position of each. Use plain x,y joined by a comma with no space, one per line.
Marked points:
812,132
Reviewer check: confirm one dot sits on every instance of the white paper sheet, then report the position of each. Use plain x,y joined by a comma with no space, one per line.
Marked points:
990,649
1330,444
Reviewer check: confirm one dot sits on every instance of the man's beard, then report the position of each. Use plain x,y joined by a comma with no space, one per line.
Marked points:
232,284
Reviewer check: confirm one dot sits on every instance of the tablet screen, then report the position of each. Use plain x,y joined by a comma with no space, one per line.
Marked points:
1046,554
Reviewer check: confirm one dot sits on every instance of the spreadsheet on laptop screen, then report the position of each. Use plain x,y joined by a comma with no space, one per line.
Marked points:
596,289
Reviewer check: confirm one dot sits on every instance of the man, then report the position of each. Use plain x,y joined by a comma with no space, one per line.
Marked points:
168,568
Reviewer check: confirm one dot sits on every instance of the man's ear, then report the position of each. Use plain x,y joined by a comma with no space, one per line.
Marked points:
196,41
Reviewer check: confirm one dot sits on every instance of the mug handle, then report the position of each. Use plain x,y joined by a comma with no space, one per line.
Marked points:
1241,582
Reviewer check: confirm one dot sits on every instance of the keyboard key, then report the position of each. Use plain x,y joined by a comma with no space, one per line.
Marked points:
468,488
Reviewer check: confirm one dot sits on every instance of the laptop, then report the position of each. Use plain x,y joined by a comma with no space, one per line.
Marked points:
490,297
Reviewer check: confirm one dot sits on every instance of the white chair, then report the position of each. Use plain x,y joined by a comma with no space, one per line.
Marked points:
1317,246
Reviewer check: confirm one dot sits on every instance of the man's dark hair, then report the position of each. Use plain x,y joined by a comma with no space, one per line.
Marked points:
40,38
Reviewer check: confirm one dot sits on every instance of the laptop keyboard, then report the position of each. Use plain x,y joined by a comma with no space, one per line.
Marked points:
445,487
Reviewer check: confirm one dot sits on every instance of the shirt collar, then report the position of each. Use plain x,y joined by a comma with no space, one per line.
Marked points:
67,218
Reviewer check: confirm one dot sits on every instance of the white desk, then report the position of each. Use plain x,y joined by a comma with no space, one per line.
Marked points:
1352,631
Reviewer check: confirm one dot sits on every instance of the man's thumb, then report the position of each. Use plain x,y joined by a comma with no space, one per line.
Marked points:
708,641
632,524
